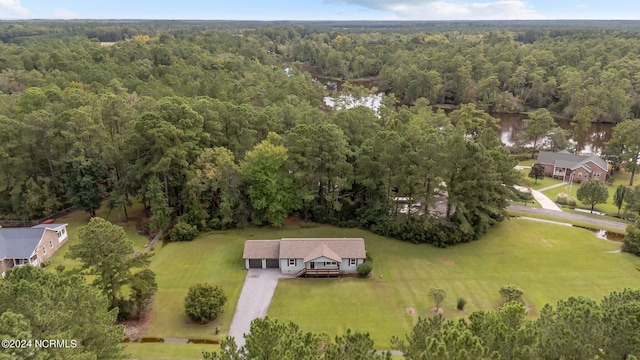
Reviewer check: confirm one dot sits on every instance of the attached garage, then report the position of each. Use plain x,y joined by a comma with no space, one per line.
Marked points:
261,254
273,263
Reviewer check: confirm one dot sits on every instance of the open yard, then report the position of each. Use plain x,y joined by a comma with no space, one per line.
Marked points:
548,262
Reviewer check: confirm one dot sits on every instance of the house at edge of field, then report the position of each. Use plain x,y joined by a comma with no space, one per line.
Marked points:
306,257
30,246
570,167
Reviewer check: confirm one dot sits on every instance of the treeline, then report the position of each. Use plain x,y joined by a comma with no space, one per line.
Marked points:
214,164
498,67
208,130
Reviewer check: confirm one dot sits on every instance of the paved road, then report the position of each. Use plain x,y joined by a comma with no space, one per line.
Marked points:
569,216
257,292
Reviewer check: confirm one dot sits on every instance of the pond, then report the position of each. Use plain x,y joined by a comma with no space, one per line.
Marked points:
512,124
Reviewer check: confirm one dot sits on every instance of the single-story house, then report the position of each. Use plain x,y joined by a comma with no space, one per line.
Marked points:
306,256
567,167
33,246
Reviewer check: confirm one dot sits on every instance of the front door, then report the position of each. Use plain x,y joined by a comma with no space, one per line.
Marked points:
312,265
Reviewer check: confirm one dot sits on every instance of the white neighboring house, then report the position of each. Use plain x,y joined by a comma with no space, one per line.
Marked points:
306,257
30,246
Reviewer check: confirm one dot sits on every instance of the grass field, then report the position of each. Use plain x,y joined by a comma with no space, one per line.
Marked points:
548,262
531,183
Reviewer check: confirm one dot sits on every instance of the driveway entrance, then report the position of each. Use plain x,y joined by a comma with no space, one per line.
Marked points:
257,292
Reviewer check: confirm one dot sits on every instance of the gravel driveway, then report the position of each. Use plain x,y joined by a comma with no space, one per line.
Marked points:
257,291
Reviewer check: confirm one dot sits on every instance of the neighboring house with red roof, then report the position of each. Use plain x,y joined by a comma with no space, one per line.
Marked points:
30,246
306,256
566,166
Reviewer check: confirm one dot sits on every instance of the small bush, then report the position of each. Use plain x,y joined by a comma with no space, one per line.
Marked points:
183,232
511,293
461,304
572,201
562,199
204,302
364,269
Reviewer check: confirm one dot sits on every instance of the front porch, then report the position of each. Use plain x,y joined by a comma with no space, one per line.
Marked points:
319,273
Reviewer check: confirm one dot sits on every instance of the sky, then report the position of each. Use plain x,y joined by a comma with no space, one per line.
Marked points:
321,9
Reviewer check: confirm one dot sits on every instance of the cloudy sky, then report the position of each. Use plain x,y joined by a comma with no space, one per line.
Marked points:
321,9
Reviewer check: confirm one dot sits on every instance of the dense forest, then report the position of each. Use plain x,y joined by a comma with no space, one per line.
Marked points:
217,126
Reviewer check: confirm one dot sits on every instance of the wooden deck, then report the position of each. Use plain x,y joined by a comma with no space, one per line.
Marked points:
317,273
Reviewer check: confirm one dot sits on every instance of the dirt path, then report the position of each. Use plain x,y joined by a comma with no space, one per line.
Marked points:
569,216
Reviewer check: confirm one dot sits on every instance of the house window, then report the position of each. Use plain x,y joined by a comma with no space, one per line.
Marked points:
579,174
51,244
596,174
292,262
353,262
330,263
44,250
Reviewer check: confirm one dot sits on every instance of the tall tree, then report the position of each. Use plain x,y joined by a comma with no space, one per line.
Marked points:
85,179
625,143
620,196
580,124
105,252
593,192
318,156
36,304
270,185
538,126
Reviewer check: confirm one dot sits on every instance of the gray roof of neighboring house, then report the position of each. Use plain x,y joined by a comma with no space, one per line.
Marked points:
48,226
305,248
19,243
565,159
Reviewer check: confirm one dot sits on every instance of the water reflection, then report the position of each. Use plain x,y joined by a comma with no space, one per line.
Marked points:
512,125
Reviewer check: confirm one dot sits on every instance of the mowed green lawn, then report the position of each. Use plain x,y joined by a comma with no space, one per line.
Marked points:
548,262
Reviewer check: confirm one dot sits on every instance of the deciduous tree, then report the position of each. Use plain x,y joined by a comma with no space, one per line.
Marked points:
592,192
270,186
537,172
620,196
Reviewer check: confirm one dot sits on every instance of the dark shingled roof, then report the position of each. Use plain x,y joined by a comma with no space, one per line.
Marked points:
565,159
19,243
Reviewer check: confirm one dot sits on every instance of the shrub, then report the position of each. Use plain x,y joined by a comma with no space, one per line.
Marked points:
204,302
461,304
364,269
511,293
562,199
183,232
572,201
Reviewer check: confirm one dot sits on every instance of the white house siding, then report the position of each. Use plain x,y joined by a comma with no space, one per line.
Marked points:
344,266
320,263
286,269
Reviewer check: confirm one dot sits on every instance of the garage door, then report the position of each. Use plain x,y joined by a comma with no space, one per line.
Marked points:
255,263
273,263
